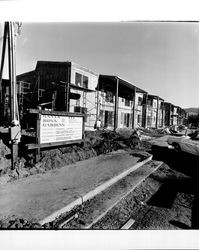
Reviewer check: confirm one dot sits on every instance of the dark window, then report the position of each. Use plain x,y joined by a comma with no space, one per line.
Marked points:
85,82
127,102
139,118
149,102
78,79
139,101
109,96
126,119
109,118
81,80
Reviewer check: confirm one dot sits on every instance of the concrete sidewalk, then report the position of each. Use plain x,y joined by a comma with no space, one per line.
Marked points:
40,196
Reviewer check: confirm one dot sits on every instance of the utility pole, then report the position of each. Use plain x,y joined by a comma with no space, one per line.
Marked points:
14,129
3,59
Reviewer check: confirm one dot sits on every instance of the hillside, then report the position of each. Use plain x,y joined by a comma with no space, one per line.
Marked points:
192,111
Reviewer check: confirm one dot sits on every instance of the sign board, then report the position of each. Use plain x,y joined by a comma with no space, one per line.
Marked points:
55,128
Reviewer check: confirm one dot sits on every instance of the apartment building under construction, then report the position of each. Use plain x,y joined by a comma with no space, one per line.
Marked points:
67,86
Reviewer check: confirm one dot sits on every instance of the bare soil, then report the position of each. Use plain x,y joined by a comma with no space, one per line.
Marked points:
158,203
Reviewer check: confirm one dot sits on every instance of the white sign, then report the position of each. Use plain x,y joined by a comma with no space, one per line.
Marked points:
55,128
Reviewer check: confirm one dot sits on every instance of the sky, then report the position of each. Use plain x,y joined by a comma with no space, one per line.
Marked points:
159,57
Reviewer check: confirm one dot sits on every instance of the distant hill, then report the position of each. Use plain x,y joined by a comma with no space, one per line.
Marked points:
192,111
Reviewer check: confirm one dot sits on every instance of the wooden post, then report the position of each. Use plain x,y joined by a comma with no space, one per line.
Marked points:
38,87
133,120
116,105
54,96
67,97
98,105
163,118
67,90
38,150
145,125
170,122
157,115
83,127
13,95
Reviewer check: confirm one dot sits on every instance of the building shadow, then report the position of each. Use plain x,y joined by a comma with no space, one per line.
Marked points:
188,183
182,162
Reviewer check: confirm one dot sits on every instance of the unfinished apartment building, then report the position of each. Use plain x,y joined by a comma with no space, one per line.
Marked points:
155,113
61,86
182,116
119,103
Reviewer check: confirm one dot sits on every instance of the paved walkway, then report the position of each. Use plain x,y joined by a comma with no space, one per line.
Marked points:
41,195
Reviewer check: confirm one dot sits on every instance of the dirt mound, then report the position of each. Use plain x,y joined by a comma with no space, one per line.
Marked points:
152,132
64,156
4,162
14,222
105,141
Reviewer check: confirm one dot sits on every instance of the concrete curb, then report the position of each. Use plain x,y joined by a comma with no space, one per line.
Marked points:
122,197
93,192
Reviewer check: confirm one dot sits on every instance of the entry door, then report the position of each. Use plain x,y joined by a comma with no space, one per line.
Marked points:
106,118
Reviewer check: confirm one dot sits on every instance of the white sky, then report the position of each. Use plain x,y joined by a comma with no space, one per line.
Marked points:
162,58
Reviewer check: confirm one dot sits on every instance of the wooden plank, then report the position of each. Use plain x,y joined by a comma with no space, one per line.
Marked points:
61,113
145,112
53,144
38,136
133,120
128,224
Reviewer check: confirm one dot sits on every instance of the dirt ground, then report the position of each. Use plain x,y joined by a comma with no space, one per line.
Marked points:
165,200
